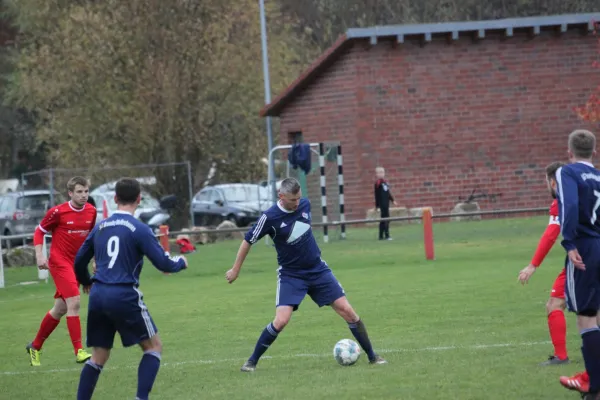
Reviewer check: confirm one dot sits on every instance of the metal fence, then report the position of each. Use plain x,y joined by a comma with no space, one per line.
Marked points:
156,179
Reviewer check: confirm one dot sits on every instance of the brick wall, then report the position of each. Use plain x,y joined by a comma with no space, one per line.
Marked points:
448,117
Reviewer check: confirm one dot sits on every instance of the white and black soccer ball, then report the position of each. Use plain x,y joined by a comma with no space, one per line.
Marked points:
346,352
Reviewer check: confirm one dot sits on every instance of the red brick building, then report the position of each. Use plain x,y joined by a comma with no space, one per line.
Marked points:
447,108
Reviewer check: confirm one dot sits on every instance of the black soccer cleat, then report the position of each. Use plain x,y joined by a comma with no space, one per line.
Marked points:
553,360
378,360
590,396
249,366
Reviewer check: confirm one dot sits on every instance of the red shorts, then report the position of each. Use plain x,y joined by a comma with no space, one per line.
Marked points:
558,289
65,282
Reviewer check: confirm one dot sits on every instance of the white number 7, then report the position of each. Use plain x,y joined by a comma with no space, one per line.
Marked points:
594,215
112,248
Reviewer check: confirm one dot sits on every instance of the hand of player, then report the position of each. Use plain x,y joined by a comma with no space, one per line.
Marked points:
526,273
42,262
394,203
232,275
86,289
576,259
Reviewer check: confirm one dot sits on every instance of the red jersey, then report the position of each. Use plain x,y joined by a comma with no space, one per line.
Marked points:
69,227
549,237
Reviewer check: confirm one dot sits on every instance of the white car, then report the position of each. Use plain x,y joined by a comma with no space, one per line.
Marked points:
149,210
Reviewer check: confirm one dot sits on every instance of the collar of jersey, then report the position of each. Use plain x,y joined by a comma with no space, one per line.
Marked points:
586,163
283,209
76,209
122,212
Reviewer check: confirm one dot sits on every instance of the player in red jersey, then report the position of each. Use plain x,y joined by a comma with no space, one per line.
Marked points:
556,303
70,223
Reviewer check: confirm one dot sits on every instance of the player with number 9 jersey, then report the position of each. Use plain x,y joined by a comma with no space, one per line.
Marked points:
119,245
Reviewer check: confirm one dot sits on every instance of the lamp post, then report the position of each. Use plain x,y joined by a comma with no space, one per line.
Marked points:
267,81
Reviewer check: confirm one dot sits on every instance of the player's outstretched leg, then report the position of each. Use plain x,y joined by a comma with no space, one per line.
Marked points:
49,323
149,366
557,326
268,336
74,327
91,372
358,329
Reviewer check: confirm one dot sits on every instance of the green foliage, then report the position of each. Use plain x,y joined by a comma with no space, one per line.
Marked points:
144,81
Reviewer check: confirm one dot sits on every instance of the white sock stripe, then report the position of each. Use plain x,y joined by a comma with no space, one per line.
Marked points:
154,354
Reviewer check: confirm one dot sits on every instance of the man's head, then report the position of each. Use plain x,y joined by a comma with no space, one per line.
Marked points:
582,145
380,172
79,190
551,177
128,192
290,194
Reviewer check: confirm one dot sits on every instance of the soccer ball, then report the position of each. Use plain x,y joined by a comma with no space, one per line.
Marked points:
346,352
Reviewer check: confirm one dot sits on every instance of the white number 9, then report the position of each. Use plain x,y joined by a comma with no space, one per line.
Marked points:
112,249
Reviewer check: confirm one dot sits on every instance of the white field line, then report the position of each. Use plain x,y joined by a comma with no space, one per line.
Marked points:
241,360
17,299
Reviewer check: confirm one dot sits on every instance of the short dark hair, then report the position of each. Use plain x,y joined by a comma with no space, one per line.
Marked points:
91,201
552,168
127,191
77,180
289,186
582,143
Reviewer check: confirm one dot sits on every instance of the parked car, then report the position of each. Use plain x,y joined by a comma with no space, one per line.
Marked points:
110,186
21,212
150,211
240,203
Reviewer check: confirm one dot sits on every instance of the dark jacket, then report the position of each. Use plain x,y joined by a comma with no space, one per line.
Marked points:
383,196
299,156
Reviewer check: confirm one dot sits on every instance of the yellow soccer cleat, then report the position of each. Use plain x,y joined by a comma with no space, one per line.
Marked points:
82,356
34,355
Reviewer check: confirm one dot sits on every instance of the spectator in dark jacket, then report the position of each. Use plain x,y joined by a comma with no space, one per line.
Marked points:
383,197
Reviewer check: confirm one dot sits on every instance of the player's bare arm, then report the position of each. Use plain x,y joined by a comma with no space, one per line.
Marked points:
552,231
243,251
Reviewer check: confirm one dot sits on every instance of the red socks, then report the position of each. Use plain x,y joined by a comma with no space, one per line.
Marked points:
46,328
558,333
74,327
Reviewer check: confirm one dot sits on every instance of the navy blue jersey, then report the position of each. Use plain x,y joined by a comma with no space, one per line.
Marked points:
578,202
292,235
119,245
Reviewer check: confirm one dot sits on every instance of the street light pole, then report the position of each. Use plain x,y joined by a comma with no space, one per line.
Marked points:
267,81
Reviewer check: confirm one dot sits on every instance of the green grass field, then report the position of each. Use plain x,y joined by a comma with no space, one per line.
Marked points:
460,327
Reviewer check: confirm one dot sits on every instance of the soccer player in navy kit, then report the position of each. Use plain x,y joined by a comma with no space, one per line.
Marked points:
301,271
119,244
578,187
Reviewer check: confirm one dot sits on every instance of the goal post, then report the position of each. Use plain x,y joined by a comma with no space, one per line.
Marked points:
323,156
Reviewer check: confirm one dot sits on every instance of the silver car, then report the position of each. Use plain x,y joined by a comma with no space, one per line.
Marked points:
21,212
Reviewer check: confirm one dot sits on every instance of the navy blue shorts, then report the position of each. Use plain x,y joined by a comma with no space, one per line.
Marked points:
322,287
582,288
116,308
